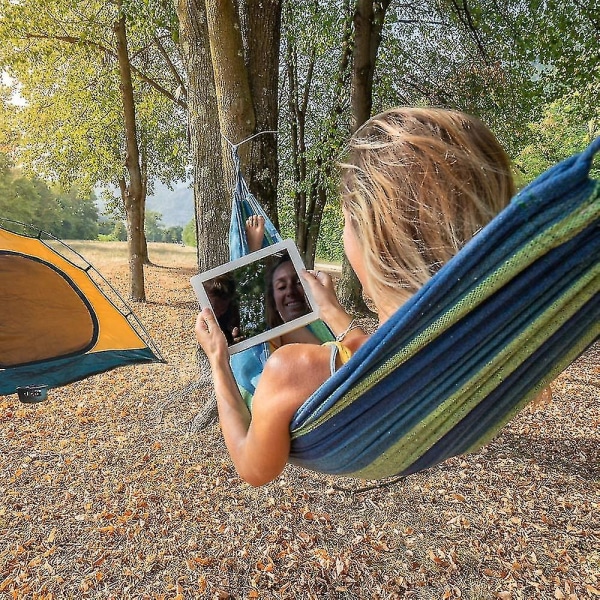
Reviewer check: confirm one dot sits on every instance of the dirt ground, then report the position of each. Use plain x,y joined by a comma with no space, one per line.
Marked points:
108,490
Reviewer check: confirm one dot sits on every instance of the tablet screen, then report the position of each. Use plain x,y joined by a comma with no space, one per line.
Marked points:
259,296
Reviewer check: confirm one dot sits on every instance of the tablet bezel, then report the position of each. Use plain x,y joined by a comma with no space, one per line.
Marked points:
288,245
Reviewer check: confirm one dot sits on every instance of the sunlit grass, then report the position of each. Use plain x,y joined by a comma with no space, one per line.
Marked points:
116,252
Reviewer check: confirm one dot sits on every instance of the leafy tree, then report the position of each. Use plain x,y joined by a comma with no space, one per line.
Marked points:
29,200
155,232
8,134
153,226
99,80
78,214
316,53
120,232
173,235
560,132
18,196
528,54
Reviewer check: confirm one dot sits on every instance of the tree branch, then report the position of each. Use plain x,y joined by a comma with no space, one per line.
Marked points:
170,64
109,51
466,19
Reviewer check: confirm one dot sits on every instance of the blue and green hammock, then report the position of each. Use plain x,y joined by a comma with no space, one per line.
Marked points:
480,340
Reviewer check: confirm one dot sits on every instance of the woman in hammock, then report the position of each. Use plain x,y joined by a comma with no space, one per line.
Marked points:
416,185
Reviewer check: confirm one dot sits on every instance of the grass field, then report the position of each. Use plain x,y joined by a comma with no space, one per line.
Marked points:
116,252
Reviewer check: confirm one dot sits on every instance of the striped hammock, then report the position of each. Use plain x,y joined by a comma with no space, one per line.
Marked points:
480,340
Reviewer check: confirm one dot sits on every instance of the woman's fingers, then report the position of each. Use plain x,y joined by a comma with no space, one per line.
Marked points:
205,321
210,336
319,276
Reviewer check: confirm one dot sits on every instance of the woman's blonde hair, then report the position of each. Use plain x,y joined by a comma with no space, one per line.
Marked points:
417,184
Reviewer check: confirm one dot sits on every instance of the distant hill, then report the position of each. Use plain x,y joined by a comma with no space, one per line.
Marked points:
176,206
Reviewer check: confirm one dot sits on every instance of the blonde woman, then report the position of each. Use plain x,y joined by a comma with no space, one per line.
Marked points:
416,185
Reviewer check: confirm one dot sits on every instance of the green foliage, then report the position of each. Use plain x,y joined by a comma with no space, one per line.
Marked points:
189,234
531,53
561,132
529,69
105,229
155,232
460,56
173,235
66,215
63,56
330,247
153,226
113,231
119,233
250,285
313,130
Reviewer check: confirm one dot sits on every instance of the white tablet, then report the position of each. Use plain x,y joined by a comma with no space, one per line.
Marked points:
258,297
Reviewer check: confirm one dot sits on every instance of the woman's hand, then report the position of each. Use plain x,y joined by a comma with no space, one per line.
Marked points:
210,337
323,290
321,286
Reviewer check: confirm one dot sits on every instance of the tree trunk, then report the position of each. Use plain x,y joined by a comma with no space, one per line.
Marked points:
368,23
263,40
319,192
131,194
211,197
234,98
315,227
297,106
144,169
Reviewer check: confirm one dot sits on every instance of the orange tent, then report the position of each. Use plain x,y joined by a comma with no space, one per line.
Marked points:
60,320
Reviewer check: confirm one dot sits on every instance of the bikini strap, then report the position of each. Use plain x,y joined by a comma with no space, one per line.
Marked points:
337,348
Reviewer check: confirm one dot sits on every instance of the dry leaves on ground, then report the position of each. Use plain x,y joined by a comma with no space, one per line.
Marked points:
107,492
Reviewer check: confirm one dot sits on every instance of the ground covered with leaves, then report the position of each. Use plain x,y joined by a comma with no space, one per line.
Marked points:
108,490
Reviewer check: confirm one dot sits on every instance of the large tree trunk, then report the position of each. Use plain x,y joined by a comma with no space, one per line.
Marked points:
211,196
234,98
144,169
368,24
212,199
131,194
262,49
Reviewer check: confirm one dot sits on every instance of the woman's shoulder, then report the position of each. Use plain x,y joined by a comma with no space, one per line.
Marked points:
291,374
297,357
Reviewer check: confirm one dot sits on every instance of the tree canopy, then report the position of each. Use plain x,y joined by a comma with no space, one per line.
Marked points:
63,58
528,68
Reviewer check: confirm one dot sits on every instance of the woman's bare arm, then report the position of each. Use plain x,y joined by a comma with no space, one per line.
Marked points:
259,444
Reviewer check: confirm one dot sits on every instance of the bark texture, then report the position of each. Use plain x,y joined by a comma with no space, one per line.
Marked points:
234,98
368,25
211,196
262,51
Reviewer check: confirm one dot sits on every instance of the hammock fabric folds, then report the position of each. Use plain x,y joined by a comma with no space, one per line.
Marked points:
486,334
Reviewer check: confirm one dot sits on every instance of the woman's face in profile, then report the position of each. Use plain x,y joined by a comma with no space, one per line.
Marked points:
288,293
